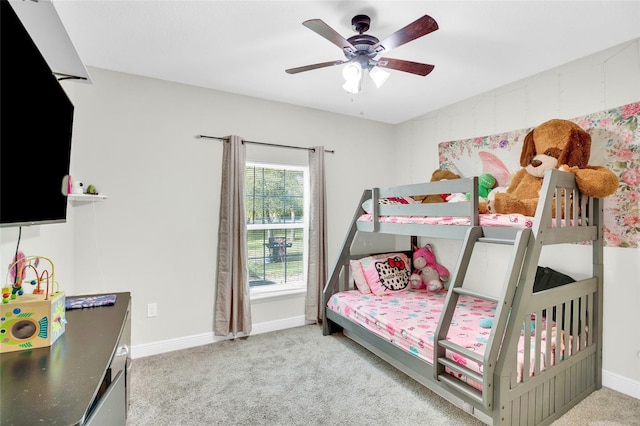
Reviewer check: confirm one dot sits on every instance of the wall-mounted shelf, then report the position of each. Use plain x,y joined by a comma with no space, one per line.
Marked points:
77,199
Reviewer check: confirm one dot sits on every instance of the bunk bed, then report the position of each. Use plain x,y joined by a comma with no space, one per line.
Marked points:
503,380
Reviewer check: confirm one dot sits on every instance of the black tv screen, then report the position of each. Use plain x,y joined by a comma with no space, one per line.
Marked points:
36,119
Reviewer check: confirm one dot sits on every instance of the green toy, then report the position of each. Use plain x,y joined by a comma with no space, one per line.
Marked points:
486,183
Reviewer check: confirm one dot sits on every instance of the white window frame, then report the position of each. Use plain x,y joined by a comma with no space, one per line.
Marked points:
293,288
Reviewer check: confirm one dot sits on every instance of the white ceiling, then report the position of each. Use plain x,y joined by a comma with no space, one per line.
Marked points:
244,47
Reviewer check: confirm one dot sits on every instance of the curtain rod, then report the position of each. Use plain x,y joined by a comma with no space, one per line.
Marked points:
264,143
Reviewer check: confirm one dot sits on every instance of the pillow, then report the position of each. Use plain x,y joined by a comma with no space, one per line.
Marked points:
358,276
382,274
357,270
546,279
366,206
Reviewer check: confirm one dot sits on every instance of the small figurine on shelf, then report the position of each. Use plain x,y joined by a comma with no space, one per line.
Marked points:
77,187
91,189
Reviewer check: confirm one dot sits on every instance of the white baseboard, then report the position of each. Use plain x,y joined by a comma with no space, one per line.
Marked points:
155,348
611,380
621,384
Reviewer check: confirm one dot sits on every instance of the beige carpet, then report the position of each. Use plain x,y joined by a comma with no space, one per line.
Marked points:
299,377
604,407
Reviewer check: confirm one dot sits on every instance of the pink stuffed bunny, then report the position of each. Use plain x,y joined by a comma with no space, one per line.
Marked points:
427,272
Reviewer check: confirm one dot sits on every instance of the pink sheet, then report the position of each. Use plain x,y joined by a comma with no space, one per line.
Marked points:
499,220
408,319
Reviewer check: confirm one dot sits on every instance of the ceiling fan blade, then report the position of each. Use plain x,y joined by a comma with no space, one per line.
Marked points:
320,27
313,67
406,66
418,28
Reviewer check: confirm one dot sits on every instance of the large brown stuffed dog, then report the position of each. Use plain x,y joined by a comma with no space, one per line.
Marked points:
553,144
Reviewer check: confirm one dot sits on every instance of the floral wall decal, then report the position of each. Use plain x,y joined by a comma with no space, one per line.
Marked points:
615,144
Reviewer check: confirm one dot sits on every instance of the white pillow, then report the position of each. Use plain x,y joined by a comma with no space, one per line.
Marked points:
366,206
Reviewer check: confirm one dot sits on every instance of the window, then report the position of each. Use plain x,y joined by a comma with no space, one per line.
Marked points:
276,202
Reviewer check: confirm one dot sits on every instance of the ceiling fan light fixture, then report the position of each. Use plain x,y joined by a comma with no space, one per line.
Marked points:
352,86
352,71
379,76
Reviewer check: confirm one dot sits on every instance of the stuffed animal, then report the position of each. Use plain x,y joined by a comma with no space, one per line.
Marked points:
427,272
553,144
437,175
457,197
486,183
426,277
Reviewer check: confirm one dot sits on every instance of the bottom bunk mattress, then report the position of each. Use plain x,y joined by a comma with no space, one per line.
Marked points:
409,320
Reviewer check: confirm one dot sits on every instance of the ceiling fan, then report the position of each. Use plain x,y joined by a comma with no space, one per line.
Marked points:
362,50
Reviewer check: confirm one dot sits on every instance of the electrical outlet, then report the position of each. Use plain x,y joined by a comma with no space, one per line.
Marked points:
152,310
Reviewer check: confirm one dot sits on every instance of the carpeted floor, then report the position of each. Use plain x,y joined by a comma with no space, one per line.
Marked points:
299,377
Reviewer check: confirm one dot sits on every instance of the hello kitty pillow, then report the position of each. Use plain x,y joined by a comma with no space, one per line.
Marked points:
382,274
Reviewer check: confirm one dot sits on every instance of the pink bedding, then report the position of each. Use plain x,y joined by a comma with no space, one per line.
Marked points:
499,220
409,319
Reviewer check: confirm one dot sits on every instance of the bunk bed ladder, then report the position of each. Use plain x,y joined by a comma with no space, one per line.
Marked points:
503,302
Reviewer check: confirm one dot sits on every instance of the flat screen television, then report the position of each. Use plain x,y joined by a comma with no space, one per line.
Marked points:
36,121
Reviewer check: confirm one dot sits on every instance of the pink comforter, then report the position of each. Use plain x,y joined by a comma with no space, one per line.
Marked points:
408,319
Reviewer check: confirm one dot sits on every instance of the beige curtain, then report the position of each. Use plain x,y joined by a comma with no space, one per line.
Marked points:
232,306
317,265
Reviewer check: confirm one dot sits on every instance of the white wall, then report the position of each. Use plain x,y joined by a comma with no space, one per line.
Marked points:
156,234
601,81
54,241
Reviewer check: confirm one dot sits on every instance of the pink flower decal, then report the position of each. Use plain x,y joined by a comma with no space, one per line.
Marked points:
630,109
631,177
631,220
624,154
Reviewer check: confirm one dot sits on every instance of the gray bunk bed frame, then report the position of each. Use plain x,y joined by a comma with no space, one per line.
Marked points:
577,307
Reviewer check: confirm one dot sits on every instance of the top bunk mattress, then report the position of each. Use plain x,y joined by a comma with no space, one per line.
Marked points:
489,220
399,211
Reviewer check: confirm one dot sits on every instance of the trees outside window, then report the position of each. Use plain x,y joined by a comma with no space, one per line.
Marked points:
276,202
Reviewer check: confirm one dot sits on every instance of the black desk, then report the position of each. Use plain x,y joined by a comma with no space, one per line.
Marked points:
59,384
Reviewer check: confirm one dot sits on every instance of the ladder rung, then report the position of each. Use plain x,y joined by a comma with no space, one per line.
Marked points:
496,240
452,365
479,358
492,240
462,387
465,292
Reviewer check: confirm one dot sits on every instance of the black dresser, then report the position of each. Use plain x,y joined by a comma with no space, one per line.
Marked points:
82,379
